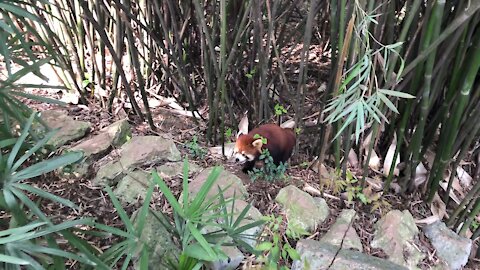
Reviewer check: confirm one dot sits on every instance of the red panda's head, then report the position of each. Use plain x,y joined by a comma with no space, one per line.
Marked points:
247,148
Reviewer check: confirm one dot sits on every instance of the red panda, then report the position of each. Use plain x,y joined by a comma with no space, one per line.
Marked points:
279,142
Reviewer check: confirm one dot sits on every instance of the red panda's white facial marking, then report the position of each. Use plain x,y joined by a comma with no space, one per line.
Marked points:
242,157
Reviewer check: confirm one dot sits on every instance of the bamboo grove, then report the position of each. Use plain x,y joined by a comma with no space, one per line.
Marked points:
403,72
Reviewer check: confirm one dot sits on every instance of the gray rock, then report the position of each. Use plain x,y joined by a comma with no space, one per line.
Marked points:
235,257
69,129
316,255
227,181
342,228
133,186
114,135
146,150
159,243
451,247
139,151
394,234
110,174
171,169
302,210
250,235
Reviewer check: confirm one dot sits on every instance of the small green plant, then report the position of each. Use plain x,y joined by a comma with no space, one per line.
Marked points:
269,170
204,222
228,134
251,73
196,150
258,136
279,110
276,248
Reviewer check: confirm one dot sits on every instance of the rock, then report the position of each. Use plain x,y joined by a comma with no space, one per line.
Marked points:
451,247
235,257
139,151
159,243
114,135
171,169
146,150
133,186
302,210
69,129
110,174
316,255
394,234
225,180
336,233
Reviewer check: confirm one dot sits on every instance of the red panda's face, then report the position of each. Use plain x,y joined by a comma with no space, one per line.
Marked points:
246,149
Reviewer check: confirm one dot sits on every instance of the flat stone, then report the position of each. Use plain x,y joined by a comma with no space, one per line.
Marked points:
317,255
342,230
171,169
133,186
302,210
159,243
146,150
451,247
110,174
225,180
235,257
68,128
114,135
394,234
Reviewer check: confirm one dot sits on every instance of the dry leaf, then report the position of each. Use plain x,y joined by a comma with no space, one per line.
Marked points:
465,178
217,150
352,158
70,98
428,220
374,162
311,190
452,194
438,207
420,175
389,160
288,124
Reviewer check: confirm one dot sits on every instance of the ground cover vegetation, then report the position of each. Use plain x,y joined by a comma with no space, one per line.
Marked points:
378,89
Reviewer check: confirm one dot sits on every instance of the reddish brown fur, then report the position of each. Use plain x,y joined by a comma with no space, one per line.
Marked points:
280,143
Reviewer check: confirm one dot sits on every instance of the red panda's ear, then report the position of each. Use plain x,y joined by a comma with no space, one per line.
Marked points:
258,143
243,125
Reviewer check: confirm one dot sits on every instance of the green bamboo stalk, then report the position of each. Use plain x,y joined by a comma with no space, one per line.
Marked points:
432,32
470,70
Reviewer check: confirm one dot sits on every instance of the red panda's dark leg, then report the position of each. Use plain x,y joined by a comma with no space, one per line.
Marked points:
248,166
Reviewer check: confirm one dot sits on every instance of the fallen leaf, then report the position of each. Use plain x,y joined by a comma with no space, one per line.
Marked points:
308,188
288,124
438,207
465,178
427,220
389,160
352,158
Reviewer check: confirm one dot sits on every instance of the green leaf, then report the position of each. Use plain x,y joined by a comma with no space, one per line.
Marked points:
45,195
200,239
31,248
121,212
20,141
264,246
197,251
177,208
47,166
13,260
387,102
395,93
